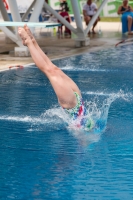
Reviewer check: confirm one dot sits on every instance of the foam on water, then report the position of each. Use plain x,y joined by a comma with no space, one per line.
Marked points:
72,68
92,107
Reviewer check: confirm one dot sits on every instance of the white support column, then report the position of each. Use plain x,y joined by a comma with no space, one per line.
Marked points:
28,11
60,18
4,13
36,12
95,16
81,39
11,35
21,50
77,17
14,10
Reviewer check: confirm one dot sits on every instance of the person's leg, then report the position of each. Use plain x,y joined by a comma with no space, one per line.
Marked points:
87,20
93,31
66,79
130,21
98,19
60,29
64,92
67,31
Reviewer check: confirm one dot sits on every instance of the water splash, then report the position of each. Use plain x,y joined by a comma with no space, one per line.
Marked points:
56,119
99,113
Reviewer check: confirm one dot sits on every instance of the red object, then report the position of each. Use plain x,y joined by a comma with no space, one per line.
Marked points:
21,67
17,66
6,5
65,15
80,110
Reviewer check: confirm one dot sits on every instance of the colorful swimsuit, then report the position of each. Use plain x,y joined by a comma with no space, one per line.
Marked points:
79,114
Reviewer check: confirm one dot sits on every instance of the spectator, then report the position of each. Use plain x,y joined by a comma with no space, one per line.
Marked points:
64,13
64,5
127,17
89,10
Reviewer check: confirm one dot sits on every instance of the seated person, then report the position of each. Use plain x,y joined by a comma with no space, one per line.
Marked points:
64,13
89,10
64,5
127,17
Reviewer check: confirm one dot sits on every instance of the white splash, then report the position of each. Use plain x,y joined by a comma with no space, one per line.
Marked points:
56,119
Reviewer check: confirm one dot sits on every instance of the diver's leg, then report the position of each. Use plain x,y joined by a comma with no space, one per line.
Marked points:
68,80
64,92
47,60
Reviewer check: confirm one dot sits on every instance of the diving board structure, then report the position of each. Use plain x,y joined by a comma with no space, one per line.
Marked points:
4,24
81,33
30,24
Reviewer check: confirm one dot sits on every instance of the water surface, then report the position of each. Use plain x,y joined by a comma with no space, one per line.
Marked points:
40,158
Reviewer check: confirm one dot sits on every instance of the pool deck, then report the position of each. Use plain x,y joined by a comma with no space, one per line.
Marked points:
57,47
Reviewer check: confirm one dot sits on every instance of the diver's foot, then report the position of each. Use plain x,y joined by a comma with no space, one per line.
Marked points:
28,31
24,36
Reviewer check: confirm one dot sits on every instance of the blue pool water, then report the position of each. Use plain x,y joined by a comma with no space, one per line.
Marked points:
41,158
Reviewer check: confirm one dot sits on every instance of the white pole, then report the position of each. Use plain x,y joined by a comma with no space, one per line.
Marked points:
14,10
11,35
60,18
28,11
4,13
36,12
95,17
15,13
77,17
